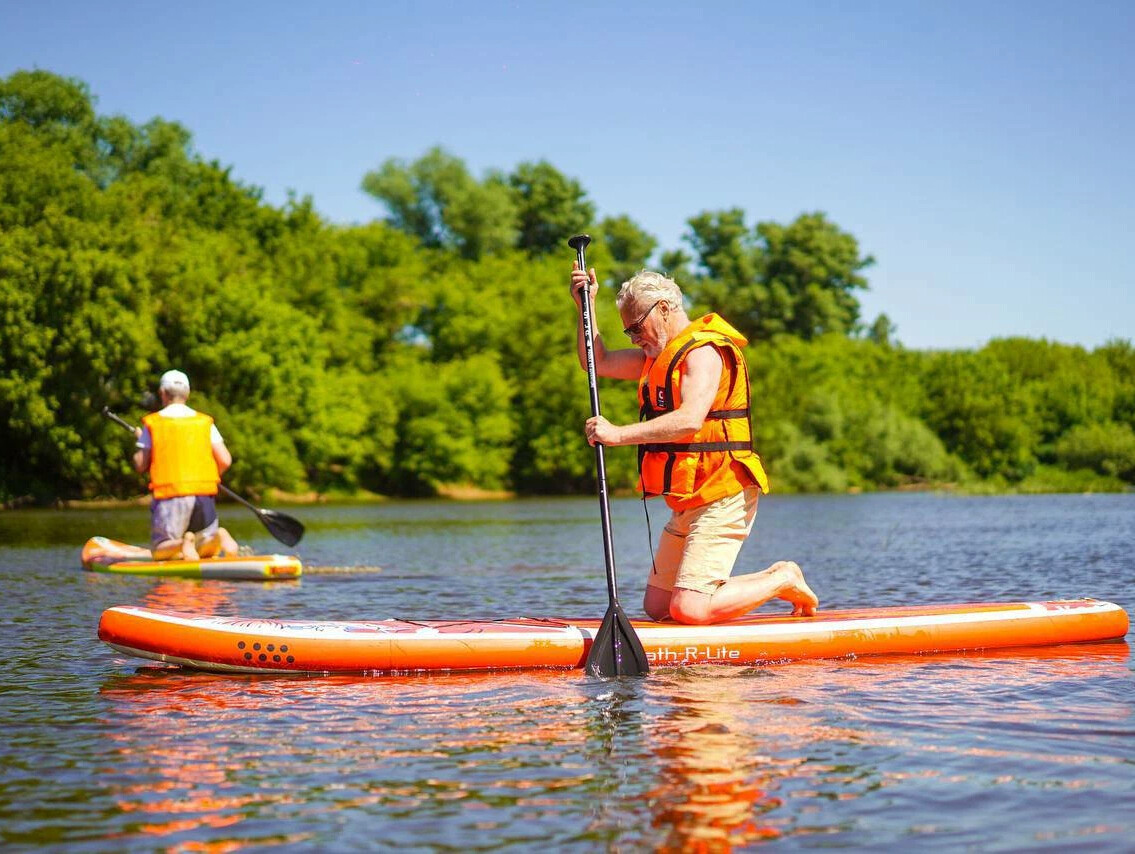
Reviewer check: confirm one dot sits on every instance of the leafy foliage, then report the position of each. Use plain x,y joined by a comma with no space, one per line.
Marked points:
1107,449
798,279
437,347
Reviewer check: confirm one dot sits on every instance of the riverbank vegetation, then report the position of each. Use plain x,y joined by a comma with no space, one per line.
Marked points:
432,350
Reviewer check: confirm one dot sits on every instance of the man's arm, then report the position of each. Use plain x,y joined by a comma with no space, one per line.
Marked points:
141,457
222,456
700,379
625,364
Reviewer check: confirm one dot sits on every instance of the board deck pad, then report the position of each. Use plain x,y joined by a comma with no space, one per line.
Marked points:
101,554
253,645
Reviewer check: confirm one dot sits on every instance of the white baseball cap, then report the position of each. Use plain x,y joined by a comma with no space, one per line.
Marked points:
174,381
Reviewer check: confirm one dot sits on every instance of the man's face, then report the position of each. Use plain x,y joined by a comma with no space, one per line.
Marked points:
645,324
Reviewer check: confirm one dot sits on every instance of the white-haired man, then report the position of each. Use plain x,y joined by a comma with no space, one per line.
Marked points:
185,455
695,448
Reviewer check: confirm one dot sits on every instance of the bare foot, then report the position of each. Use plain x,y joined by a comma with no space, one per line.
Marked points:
229,546
188,549
796,590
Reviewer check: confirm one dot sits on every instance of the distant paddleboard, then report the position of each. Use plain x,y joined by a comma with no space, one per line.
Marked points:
249,645
105,555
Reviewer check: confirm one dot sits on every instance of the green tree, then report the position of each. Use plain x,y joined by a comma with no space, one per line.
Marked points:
629,245
817,265
383,277
550,207
453,426
75,332
1119,357
437,200
724,246
438,348
1107,449
1064,386
798,279
882,331
838,412
981,413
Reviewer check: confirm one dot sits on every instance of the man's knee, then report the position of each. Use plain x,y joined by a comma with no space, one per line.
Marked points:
656,603
690,607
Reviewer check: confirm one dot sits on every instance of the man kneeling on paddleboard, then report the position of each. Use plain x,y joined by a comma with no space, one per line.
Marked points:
185,455
695,448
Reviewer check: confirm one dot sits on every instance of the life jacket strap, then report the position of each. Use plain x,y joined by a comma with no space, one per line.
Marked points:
648,414
694,447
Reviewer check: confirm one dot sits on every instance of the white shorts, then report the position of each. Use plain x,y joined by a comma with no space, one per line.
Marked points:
699,546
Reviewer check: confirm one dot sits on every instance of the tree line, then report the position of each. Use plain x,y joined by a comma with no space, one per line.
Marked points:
435,346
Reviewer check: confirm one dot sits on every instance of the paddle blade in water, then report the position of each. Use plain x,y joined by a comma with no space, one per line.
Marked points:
616,650
286,529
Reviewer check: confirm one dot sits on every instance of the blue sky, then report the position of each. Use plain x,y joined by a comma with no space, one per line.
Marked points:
983,153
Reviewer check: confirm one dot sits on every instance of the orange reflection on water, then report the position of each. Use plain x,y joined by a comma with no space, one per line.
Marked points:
173,716
192,772
728,757
198,596
718,783
712,791
189,595
718,788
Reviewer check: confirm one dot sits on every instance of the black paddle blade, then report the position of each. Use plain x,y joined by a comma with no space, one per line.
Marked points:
287,529
616,650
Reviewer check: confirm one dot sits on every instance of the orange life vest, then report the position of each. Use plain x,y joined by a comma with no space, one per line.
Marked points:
181,455
718,459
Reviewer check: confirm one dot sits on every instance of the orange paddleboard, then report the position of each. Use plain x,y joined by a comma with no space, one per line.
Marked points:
101,554
234,644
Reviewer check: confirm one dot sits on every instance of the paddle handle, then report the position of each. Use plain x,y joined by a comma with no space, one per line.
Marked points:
579,244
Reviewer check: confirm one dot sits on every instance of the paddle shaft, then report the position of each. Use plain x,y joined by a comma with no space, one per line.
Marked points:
236,497
579,243
113,417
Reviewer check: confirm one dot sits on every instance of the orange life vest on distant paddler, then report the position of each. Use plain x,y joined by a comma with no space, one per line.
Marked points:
181,455
718,459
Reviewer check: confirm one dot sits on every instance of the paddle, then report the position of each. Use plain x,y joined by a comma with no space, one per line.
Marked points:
287,529
616,650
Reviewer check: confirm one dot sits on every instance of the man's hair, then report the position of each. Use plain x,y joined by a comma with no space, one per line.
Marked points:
645,287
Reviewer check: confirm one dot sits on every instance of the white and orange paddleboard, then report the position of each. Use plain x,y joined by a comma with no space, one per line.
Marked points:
105,555
250,645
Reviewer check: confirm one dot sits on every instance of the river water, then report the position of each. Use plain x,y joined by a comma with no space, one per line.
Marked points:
1018,750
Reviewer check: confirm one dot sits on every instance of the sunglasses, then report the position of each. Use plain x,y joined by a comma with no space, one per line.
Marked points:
636,327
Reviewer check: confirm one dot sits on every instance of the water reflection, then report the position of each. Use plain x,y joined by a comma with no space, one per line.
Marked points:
692,759
713,784
220,752
190,596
